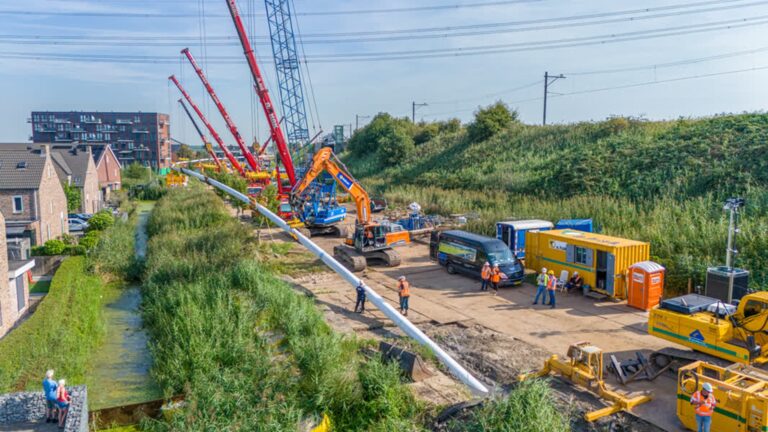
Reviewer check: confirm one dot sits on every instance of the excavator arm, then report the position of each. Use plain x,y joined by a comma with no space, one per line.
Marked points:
325,160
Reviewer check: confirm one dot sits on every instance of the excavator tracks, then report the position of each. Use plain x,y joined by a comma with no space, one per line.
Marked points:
389,256
352,259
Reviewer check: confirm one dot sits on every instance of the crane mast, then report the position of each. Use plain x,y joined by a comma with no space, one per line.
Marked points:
206,144
266,102
232,160
252,162
287,68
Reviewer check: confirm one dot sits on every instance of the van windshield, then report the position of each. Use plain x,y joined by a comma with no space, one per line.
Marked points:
500,256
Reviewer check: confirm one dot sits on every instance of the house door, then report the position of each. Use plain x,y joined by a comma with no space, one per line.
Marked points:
610,273
20,298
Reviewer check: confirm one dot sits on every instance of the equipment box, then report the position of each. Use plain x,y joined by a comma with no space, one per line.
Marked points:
688,304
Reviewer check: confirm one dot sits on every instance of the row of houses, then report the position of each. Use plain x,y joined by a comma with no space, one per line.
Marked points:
33,206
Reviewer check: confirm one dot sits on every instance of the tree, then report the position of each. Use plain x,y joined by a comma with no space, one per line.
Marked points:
100,221
185,152
490,120
395,145
135,171
389,138
74,197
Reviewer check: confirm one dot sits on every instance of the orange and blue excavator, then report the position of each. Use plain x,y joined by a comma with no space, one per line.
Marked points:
370,242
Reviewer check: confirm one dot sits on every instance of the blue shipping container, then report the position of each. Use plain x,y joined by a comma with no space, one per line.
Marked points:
575,224
512,233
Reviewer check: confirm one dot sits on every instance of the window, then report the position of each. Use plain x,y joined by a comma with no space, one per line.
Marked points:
580,255
18,204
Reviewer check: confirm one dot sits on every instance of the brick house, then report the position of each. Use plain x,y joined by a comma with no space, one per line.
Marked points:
14,291
31,196
75,166
108,168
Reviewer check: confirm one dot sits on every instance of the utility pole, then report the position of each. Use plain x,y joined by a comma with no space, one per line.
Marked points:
414,105
548,80
357,120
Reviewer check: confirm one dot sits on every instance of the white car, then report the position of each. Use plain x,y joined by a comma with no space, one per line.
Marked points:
76,224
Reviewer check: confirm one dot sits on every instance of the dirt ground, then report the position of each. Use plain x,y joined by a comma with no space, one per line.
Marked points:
494,337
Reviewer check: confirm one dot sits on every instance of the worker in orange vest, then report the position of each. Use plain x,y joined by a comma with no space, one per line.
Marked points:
496,276
551,288
485,275
705,403
404,292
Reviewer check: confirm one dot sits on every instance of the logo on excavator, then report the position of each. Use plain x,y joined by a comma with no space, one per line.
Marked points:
696,337
346,181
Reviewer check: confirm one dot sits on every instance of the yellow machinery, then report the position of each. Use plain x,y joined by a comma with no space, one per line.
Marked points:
707,325
174,179
741,392
584,367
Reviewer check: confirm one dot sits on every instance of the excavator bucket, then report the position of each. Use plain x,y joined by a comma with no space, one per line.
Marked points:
413,366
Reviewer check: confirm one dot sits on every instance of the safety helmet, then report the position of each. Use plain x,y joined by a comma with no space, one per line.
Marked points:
401,278
551,272
495,266
487,263
543,269
707,387
575,273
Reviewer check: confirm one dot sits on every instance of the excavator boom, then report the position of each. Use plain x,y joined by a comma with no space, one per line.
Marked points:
325,160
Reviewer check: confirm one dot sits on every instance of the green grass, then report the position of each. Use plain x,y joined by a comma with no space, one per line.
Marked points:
40,287
60,335
662,182
248,352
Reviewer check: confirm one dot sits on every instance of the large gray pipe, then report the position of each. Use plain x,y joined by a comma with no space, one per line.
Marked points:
411,330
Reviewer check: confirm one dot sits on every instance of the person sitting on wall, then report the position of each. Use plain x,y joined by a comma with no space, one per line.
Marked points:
575,283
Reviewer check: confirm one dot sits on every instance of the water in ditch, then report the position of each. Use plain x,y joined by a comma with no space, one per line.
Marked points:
120,367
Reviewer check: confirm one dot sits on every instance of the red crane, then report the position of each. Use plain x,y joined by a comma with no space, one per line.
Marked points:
206,144
275,130
232,160
252,162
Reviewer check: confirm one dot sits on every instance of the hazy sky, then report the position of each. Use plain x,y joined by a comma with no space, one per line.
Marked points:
116,55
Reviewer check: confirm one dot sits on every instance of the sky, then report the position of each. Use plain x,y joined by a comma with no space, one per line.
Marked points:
656,59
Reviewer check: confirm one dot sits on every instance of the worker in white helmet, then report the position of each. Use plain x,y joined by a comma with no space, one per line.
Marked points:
541,286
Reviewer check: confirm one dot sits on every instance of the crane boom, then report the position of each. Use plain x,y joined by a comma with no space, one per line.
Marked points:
206,144
325,160
232,160
252,162
266,102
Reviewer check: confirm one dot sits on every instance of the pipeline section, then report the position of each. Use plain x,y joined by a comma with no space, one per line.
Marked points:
411,330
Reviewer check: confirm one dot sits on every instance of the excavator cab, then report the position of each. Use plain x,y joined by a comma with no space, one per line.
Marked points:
370,237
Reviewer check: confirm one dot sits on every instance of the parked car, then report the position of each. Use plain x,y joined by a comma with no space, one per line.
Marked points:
76,224
465,252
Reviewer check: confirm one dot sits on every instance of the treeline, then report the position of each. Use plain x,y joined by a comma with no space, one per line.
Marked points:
663,182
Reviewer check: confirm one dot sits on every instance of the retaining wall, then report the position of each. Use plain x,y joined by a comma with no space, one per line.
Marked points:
29,407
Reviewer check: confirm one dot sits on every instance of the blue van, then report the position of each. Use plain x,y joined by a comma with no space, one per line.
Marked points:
465,252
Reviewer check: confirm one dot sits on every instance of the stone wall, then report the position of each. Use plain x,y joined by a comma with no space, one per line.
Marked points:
29,407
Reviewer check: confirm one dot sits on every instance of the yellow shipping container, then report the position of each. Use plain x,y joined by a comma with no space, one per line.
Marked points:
602,261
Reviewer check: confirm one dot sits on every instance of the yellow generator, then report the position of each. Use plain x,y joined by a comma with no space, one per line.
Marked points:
741,392
704,324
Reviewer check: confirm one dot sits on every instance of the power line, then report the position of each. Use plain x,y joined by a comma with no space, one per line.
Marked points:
487,95
432,53
311,13
404,34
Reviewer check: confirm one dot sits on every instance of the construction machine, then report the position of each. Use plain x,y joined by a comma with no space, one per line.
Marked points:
370,241
733,333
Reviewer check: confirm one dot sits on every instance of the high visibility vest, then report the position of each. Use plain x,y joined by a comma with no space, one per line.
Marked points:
404,288
486,273
542,279
706,408
552,283
496,276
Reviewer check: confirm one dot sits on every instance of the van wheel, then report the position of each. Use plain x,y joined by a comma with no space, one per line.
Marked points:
451,269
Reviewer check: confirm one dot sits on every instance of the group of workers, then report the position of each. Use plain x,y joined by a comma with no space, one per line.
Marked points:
403,293
547,284
491,276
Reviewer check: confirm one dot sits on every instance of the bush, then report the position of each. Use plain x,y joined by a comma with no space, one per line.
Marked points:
89,240
390,139
54,247
74,197
60,335
529,407
76,250
101,221
113,251
490,121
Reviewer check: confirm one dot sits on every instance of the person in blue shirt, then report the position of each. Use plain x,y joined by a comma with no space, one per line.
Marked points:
49,389
360,305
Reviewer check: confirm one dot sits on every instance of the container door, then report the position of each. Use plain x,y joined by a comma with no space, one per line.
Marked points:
610,273
520,243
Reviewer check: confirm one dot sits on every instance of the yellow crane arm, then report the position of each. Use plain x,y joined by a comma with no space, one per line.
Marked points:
325,160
